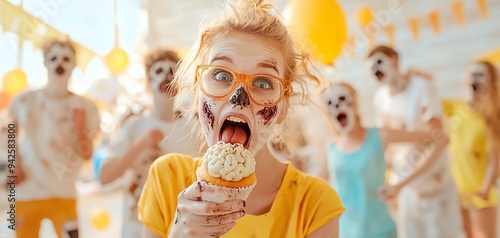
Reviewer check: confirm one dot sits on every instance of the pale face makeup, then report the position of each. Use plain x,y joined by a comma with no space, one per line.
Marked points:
234,119
160,74
340,105
60,62
477,83
382,69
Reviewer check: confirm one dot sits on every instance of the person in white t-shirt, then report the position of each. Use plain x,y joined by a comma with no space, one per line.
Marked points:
427,201
55,129
143,138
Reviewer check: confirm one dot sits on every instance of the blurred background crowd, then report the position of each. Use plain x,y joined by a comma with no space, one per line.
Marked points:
114,44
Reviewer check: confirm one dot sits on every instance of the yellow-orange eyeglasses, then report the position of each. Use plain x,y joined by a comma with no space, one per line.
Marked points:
263,89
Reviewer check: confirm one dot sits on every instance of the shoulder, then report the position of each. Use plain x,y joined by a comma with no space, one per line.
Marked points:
25,97
314,189
133,120
419,83
317,201
21,101
142,123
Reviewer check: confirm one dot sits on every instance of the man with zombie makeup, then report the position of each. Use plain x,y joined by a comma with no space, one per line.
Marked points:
240,72
474,139
357,166
57,128
426,196
143,138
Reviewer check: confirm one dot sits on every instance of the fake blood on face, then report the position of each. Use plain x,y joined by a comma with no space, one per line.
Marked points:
268,113
208,115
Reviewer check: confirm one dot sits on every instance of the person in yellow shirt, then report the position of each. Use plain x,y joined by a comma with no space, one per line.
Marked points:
474,162
245,65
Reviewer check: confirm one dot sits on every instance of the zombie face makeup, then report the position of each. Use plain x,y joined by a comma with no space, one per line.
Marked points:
60,62
340,105
382,68
234,118
477,83
160,76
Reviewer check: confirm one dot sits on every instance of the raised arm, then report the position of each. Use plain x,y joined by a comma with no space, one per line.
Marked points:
115,166
436,138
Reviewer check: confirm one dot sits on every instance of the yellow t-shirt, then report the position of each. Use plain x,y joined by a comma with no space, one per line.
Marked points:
303,203
468,150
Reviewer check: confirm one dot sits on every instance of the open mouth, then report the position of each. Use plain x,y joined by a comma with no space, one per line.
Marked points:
235,130
164,85
60,70
379,75
342,119
476,88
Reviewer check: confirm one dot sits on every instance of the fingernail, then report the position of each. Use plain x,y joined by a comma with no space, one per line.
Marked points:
244,203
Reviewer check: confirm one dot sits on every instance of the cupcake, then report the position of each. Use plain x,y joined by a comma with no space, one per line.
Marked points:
229,166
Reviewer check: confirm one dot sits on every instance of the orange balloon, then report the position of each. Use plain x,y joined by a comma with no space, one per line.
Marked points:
364,16
320,25
117,60
14,82
4,100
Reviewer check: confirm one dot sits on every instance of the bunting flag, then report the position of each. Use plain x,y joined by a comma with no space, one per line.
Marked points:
483,7
434,19
458,12
27,27
414,27
390,31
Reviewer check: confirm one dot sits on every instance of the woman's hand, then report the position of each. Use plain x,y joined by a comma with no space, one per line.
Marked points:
197,218
389,192
483,195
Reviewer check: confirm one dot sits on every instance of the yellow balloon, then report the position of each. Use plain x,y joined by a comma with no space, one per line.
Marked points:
320,25
117,60
365,16
100,218
14,82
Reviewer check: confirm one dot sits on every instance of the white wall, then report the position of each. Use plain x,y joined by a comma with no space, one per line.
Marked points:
444,54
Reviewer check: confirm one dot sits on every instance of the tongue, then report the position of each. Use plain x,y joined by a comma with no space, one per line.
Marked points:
234,134
343,121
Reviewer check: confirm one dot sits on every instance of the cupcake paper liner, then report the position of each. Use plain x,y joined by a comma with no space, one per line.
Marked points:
229,194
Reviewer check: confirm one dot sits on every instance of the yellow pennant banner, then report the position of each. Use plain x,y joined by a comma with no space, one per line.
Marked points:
27,27
434,19
483,7
414,27
390,31
458,12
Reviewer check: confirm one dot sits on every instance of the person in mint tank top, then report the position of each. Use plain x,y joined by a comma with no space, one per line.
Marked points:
357,167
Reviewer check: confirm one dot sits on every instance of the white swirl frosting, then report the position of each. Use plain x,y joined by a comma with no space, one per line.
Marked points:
229,162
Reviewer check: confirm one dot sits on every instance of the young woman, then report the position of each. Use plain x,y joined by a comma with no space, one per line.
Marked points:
357,167
244,64
473,157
